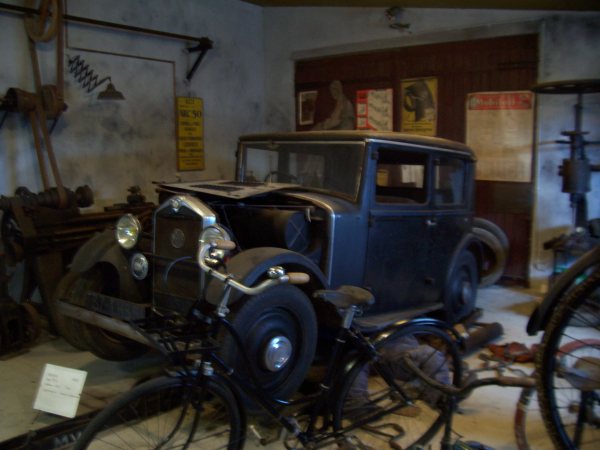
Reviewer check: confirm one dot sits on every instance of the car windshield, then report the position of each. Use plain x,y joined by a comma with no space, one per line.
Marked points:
334,167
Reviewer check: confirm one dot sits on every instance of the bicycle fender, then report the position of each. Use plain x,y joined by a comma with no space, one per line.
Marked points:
356,357
231,386
250,266
541,315
423,321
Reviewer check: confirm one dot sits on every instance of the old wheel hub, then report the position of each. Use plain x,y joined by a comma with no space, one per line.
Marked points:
277,353
466,293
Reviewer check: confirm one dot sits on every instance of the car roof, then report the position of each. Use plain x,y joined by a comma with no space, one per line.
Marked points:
361,136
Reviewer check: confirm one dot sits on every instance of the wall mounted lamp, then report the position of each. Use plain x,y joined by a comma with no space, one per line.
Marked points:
89,80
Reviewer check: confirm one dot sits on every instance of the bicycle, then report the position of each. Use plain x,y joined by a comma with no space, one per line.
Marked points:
568,368
567,354
366,399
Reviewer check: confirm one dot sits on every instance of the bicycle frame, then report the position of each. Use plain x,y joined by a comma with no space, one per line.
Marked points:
362,348
339,362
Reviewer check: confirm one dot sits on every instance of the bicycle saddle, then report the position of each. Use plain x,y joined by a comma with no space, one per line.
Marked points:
346,296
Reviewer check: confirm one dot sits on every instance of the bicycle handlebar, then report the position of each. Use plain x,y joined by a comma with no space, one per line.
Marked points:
227,278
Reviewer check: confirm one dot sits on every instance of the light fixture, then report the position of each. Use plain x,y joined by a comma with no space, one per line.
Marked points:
110,93
85,76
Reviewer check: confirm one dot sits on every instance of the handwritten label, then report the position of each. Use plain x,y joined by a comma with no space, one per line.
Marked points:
60,390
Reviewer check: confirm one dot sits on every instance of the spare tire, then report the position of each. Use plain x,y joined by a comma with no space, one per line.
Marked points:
278,329
495,250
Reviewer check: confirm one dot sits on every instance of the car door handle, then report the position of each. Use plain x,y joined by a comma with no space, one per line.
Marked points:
431,222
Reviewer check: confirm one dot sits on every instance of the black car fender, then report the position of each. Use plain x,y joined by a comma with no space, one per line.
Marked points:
103,249
250,266
540,316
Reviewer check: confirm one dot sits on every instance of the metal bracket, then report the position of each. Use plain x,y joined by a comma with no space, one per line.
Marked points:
203,46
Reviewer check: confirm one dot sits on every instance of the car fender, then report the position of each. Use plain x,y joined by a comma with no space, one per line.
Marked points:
103,249
540,316
250,266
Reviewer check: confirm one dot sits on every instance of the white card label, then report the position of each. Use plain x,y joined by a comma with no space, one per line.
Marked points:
60,390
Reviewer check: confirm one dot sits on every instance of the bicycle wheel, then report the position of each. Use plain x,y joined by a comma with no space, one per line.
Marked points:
379,415
168,413
568,367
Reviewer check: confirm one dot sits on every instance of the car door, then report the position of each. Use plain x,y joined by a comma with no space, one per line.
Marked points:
450,216
399,221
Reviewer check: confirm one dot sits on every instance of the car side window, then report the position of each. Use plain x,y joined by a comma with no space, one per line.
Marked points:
449,181
401,176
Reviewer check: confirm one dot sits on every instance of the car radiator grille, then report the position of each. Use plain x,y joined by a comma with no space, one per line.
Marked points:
176,274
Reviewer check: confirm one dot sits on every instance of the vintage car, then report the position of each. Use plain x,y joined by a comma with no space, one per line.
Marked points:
388,212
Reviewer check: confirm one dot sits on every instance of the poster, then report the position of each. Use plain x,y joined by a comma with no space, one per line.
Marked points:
500,132
190,134
419,106
374,109
307,101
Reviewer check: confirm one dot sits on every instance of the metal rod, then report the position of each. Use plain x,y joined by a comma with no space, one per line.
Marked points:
103,24
107,323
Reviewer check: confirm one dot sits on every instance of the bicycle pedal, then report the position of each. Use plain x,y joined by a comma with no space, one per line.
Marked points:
266,436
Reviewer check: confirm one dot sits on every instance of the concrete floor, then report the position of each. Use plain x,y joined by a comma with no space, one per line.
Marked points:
486,416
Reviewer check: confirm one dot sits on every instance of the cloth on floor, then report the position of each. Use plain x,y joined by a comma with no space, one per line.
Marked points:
514,352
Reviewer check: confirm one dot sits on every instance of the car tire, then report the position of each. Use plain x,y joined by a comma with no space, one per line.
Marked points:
461,291
495,250
102,343
282,312
69,329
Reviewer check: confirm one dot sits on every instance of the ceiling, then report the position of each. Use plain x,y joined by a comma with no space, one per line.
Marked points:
558,5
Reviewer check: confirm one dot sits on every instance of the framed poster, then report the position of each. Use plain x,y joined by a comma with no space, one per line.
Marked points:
190,134
374,109
500,132
307,101
419,105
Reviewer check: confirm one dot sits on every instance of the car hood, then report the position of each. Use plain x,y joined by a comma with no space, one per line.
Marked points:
227,188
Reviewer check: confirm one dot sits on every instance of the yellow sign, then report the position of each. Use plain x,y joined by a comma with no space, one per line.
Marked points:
419,106
190,134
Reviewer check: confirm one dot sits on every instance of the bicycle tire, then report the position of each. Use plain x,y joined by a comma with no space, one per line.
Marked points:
163,413
520,421
564,379
365,396
525,437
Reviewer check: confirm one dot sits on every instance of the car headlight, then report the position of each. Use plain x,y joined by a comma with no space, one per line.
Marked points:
128,231
214,233
139,266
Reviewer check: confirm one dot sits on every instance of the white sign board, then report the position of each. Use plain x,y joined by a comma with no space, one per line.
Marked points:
60,390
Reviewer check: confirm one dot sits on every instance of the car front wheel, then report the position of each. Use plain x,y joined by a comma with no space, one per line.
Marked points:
461,290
